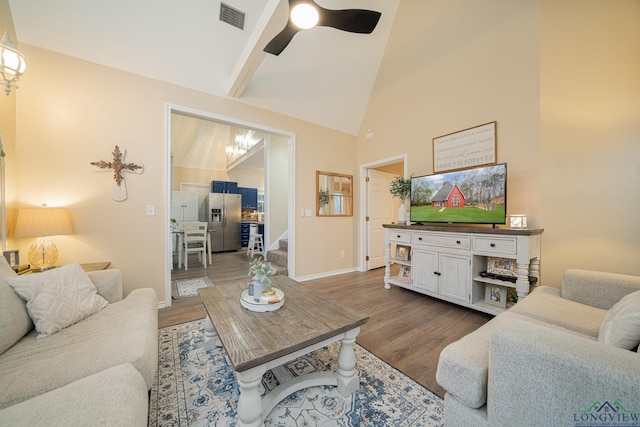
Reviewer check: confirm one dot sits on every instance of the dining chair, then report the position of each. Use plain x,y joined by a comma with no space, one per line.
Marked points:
196,240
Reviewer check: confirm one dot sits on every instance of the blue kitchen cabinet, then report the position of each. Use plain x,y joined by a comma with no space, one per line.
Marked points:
244,234
249,198
224,187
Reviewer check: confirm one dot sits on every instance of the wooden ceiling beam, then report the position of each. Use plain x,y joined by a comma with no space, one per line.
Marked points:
270,23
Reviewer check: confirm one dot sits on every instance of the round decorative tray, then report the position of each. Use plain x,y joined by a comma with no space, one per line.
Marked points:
248,302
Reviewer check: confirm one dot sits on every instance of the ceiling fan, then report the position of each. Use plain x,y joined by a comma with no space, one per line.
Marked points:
305,14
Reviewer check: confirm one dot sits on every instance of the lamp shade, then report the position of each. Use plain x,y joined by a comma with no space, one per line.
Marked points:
41,222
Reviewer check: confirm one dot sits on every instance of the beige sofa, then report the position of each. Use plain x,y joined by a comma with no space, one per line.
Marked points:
541,363
94,372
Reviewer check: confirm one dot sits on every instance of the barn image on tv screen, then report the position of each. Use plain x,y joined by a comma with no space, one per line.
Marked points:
476,195
449,196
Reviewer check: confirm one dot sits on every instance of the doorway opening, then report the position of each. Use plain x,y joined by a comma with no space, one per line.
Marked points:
378,206
204,137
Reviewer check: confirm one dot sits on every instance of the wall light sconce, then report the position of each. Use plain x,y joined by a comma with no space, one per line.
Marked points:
12,63
41,223
518,221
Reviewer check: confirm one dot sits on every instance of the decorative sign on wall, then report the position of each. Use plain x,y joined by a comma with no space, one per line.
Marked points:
119,167
475,146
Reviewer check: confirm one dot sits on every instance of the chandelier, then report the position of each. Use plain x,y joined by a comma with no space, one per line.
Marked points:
242,142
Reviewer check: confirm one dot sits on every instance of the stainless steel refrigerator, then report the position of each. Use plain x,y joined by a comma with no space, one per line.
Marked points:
225,223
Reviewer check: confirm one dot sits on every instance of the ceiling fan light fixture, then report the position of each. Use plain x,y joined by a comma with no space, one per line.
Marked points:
305,16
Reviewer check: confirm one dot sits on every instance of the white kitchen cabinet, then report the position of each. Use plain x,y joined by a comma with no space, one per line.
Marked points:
184,206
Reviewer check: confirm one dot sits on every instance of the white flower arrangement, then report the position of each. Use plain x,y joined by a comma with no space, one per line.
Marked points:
261,271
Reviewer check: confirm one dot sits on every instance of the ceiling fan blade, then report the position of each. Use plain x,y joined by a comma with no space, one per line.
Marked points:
351,20
281,40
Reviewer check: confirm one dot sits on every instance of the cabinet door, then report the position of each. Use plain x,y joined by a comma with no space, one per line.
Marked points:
243,197
252,198
217,187
249,197
231,187
455,276
176,205
424,268
190,204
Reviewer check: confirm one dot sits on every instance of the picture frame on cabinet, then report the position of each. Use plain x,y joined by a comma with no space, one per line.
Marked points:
402,253
13,257
495,295
502,267
405,273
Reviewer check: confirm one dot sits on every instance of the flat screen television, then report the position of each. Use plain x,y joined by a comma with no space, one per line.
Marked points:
470,196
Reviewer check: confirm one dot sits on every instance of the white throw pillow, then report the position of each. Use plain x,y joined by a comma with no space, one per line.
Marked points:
58,298
621,325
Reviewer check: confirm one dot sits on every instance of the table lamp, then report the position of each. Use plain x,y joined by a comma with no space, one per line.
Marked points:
41,223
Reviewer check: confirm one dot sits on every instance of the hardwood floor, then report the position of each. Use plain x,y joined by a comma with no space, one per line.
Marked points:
405,329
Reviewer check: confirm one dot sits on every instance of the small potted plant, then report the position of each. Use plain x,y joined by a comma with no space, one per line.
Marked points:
261,271
401,188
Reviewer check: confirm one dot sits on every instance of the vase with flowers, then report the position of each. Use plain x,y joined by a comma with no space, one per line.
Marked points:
261,283
401,188
323,199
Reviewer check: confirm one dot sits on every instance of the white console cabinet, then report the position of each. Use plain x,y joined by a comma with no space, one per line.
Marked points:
446,260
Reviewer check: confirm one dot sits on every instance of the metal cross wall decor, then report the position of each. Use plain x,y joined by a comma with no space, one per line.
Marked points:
119,187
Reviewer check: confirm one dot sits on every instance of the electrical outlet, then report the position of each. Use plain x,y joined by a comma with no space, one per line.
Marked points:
151,210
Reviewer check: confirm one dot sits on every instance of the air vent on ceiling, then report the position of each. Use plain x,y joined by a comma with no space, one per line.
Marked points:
232,16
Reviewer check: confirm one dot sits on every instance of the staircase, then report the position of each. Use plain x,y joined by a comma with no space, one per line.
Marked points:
278,257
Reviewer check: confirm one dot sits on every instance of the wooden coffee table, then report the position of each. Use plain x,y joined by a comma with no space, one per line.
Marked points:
257,342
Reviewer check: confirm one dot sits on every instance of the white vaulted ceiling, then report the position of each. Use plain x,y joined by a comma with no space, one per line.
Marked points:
324,76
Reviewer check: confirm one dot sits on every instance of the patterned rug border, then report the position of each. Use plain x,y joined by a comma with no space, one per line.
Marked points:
174,286
431,415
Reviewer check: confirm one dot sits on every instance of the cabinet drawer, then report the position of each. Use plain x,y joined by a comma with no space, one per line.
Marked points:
495,244
442,240
400,236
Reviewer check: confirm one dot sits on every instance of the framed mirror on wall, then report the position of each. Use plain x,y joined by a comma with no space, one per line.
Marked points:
334,194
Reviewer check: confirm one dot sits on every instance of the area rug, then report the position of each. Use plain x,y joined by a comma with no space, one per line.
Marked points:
186,288
199,388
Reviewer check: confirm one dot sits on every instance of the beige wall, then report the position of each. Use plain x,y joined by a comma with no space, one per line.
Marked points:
561,78
196,176
278,200
71,112
590,135
248,177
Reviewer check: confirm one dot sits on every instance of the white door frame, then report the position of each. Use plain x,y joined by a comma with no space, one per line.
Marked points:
205,115
364,197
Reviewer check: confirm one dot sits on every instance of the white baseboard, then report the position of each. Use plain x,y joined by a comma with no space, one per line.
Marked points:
325,274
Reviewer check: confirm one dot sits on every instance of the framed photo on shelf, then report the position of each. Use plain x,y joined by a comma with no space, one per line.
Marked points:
402,253
13,257
495,295
502,267
405,273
